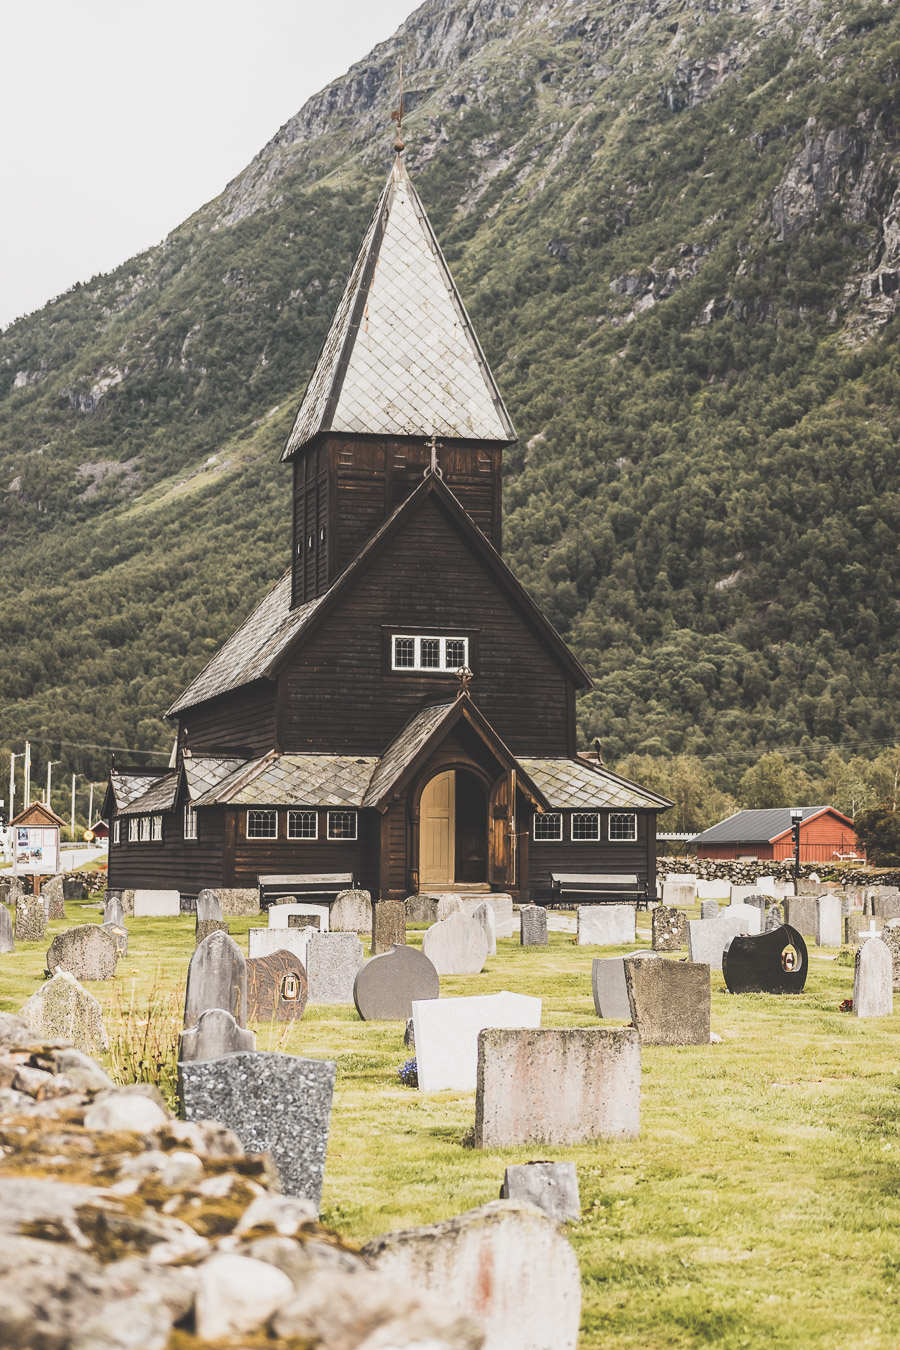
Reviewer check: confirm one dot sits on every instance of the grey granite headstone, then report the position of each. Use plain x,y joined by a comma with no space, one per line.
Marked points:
670,1001
6,931
278,1104
31,921
386,985
54,898
873,980
828,921
552,1186
351,912
209,906
608,984
886,902
332,962
216,978
421,909
204,927
409,1035
215,1033
305,921
74,888
456,945
119,934
709,909
774,919
483,913
800,913
707,937
890,936
89,952
388,926
534,926
758,901
669,929
113,911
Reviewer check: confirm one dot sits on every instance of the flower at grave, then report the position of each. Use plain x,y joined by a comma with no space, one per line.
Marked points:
408,1074
846,1006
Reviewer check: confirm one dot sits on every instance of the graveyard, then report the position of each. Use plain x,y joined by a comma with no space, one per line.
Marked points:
762,1181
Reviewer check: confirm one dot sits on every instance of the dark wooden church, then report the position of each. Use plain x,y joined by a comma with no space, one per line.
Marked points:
397,707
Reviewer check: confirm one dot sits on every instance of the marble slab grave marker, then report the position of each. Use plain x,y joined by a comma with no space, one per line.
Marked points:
605,925
873,980
446,1034
214,1034
456,945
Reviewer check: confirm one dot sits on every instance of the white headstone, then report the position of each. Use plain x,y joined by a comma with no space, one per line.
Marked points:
456,945
714,890
738,893
263,941
707,937
446,1034
873,982
678,894
768,886
484,915
829,921
279,914
605,925
157,904
751,913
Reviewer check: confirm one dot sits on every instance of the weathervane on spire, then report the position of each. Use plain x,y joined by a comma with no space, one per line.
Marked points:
397,115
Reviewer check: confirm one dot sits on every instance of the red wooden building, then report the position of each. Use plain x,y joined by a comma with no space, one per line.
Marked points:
333,732
825,836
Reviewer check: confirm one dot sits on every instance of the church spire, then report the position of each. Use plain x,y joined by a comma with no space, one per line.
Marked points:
401,357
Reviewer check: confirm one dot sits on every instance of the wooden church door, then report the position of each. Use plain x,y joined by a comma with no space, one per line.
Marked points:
437,831
501,862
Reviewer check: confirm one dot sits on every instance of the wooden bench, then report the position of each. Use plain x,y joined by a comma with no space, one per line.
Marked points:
599,887
304,886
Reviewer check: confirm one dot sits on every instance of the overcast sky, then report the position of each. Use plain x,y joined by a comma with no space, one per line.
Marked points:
121,117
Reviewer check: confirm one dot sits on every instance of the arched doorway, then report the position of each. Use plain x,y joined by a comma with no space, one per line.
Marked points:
453,830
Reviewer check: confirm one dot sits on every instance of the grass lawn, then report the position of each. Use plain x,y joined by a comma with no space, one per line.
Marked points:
760,1206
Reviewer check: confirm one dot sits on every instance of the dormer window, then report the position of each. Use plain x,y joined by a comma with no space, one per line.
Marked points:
412,652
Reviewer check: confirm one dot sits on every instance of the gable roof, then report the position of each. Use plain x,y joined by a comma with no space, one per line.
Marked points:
159,796
401,357
266,637
203,772
753,827
295,780
127,785
574,785
38,813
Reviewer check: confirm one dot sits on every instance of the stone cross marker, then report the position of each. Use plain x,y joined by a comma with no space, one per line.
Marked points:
62,1008
6,931
669,927
214,1034
216,978
534,926
277,987
670,1001
89,952
278,1104
386,986
873,980
388,926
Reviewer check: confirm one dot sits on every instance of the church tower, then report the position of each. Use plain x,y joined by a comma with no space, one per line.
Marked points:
401,383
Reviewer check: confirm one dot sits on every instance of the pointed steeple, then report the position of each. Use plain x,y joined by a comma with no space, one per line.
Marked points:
401,357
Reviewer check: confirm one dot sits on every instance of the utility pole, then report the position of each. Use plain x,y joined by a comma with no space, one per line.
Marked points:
12,781
91,808
27,801
50,763
72,827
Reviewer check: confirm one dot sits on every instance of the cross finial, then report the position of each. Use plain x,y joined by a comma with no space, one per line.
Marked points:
465,677
434,446
397,115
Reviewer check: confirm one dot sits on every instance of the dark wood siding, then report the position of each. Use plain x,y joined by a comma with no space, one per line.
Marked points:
242,722
604,856
310,523
284,856
340,694
176,863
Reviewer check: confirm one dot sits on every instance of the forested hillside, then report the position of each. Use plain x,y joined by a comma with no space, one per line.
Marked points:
677,229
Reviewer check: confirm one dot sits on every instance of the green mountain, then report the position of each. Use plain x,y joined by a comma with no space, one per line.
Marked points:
677,227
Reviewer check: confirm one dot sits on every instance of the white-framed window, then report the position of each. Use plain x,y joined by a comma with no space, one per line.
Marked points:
117,831
131,830
341,824
623,826
156,829
585,825
410,652
143,828
190,822
262,824
303,824
548,826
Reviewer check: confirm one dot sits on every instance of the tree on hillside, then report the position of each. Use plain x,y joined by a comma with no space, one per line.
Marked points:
774,781
878,830
698,802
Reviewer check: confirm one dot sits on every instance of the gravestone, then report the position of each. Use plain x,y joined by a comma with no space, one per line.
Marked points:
714,890
670,1001
886,903
557,1087
707,938
216,978
890,936
608,984
740,893
760,902
54,898
262,941
447,905
750,913
209,906
483,914
421,909
386,987
74,889
709,909
388,926
156,904
409,1035
856,924
552,1186
332,962
800,913
669,927
534,926
873,980
504,918
6,931
119,935
768,886
277,1104
506,1266
770,963
351,912
88,952
277,988
456,946
774,918
828,921
678,894
238,901
204,927
446,1032
62,1009
605,925
113,912
305,921
31,921
280,914
215,1033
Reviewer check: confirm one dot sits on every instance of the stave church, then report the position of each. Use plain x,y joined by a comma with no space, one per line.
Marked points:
397,709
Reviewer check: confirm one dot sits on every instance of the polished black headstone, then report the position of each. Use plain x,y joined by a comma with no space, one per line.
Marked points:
771,963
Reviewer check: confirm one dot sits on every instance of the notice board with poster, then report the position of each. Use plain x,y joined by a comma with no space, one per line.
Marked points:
35,833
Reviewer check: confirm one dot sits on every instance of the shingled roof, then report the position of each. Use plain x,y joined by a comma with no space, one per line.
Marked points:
295,780
401,357
159,796
573,785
